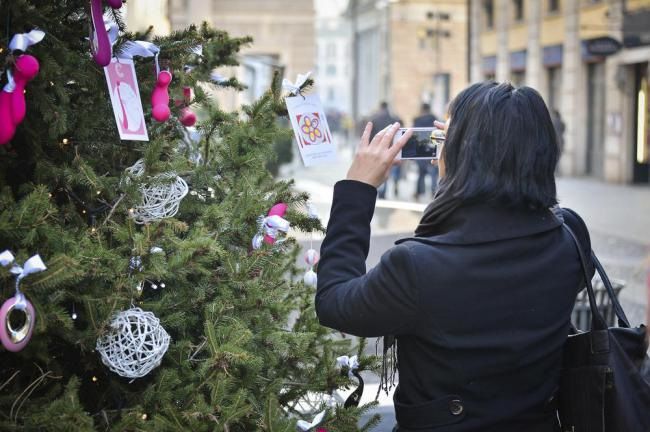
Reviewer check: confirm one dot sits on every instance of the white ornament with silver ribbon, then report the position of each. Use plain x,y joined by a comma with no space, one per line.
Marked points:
161,198
134,343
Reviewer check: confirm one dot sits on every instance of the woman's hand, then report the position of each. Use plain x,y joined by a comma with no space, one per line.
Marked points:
373,160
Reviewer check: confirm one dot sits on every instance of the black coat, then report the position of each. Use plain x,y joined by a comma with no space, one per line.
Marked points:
480,311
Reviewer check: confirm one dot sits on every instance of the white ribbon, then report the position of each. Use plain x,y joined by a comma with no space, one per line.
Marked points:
33,265
351,362
22,41
293,88
198,50
142,49
218,78
274,224
318,419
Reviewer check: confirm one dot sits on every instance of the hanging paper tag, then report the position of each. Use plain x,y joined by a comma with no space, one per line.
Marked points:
125,98
311,129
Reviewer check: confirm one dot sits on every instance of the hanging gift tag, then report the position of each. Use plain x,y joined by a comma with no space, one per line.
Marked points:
311,129
125,98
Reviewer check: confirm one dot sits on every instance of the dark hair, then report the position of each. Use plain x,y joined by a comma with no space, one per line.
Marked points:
425,107
501,148
383,105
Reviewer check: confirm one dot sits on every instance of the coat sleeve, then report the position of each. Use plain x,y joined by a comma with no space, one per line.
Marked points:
377,303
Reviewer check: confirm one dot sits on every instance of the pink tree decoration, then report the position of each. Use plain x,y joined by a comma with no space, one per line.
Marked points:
160,97
277,210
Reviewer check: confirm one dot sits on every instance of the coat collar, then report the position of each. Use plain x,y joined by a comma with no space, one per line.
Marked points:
484,223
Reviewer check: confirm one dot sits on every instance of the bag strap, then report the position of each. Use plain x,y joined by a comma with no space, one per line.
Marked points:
597,320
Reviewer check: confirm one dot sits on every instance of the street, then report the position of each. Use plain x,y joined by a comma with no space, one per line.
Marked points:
616,216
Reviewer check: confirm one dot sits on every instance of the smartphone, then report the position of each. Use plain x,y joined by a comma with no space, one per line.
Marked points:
422,145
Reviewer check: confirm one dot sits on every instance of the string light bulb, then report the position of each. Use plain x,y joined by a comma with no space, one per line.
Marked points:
74,315
144,416
94,378
65,141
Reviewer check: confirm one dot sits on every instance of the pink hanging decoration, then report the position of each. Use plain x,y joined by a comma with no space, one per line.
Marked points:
12,101
100,44
277,210
160,97
188,118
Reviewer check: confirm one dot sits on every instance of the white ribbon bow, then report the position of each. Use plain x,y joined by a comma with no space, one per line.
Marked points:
318,419
274,224
33,265
293,88
351,362
22,41
218,78
142,49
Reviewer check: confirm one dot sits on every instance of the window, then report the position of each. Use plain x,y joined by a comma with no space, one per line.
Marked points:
330,51
330,70
518,78
331,94
488,8
518,6
553,6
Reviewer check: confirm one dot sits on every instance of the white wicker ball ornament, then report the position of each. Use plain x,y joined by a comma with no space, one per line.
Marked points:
161,198
135,343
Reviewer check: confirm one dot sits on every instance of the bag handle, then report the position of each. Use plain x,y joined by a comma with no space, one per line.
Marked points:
597,320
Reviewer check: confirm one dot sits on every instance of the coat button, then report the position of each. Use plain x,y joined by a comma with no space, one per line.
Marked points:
456,407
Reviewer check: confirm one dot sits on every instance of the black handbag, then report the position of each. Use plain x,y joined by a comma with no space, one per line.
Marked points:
605,378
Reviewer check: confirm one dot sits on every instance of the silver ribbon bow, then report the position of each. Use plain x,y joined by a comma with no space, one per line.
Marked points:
318,419
293,88
352,363
141,49
33,265
22,41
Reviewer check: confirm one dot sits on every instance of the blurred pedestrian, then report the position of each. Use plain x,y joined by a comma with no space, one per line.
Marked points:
425,119
381,120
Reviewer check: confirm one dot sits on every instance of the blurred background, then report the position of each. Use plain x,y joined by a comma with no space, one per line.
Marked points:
588,58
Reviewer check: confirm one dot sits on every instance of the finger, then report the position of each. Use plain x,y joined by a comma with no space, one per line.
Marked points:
365,137
401,142
434,162
439,124
377,138
388,137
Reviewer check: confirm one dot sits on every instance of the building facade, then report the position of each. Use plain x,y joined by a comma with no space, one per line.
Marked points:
333,63
589,59
407,52
283,34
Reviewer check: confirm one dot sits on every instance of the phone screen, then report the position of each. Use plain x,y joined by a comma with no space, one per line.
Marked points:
421,145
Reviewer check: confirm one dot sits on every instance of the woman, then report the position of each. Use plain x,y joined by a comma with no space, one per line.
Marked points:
479,300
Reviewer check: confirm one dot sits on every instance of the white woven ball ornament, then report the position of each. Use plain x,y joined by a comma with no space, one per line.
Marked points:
312,257
161,198
310,278
258,239
135,343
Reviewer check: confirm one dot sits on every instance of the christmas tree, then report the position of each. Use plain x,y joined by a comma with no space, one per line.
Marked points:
133,232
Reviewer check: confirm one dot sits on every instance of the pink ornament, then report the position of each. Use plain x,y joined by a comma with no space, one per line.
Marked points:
277,210
7,127
312,257
16,339
100,45
160,97
25,70
12,102
188,118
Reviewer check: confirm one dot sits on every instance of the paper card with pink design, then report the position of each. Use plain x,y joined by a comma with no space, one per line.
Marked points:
311,129
125,98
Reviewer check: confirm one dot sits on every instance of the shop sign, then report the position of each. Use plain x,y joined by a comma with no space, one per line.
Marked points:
602,46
